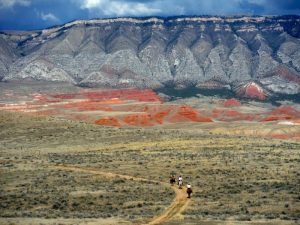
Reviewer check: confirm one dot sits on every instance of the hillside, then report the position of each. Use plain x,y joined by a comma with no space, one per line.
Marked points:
254,57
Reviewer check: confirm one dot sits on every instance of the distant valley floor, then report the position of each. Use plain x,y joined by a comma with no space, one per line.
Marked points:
145,108
61,171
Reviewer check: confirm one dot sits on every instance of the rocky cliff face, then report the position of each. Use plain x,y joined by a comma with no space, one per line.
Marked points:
179,52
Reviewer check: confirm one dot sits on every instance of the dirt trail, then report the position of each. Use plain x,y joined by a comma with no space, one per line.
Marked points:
173,211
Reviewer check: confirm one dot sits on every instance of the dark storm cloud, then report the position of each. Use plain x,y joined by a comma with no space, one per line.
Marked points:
272,7
252,7
286,4
36,14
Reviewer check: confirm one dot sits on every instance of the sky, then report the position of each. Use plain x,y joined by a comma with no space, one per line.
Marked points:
40,14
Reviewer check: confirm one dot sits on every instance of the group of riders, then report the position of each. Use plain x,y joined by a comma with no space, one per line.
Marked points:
180,184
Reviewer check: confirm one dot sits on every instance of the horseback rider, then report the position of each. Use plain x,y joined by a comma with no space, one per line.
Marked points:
172,179
189,190
180,182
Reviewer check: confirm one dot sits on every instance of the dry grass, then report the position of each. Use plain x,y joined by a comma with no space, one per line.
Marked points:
234,178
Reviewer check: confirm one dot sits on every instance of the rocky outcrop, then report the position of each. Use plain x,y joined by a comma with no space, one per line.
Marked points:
8,55
251,90
179,52
282,80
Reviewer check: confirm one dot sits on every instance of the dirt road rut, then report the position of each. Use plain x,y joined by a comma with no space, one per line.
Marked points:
173,211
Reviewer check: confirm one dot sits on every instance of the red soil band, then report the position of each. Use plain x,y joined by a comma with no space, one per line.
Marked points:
88,106
283,112
159,117
277,118
146,95
109,121
154,115
286,110
143,120
231,103
281,136
186,113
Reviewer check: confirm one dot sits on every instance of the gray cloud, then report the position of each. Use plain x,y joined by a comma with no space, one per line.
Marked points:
12,3
160,7
48,17
120,8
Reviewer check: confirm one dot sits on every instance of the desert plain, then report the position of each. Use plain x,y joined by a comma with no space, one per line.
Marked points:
69,155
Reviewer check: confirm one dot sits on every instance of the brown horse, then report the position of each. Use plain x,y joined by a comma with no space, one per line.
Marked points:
189,191
172,180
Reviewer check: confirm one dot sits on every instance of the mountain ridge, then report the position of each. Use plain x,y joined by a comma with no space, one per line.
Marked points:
156,52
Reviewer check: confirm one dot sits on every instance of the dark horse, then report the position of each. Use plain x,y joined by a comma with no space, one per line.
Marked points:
172,180
189,191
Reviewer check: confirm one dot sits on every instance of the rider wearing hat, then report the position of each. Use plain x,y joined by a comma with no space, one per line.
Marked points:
189,190
180,181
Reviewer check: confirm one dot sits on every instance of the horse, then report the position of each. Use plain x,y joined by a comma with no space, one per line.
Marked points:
189,191
180,183
172,180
